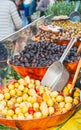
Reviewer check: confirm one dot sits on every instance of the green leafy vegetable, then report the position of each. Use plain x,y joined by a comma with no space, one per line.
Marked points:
11,74
62,8
3,127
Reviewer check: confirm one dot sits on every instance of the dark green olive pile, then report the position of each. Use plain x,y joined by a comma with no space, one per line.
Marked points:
3,52
3,55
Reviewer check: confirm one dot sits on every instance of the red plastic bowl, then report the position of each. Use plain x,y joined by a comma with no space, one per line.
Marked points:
32,72
38,72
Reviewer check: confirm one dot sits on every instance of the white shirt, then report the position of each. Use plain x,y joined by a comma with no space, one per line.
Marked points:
9,18
27,1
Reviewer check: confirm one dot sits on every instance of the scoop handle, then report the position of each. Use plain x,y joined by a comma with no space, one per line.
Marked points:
69,46
79,49
76,74
77,5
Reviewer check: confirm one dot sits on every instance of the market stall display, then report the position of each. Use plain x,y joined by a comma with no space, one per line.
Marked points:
30,59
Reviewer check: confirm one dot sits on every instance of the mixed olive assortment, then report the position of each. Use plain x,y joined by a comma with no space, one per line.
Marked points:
41,54
67,30
26,98
71,29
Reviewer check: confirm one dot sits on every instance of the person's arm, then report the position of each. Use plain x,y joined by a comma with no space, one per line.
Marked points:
15,16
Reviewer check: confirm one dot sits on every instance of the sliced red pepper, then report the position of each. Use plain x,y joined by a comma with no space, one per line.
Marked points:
31,110
37,90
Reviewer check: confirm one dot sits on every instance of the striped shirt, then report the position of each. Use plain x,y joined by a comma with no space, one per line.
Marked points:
9,18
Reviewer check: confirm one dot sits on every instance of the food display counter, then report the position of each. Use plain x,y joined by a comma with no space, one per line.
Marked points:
27,105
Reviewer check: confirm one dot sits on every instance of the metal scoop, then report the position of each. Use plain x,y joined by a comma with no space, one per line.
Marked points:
57,76
75,15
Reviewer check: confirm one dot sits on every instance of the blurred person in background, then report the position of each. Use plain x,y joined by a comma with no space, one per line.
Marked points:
33,7
27,4
10,20
43,5
29,8
20,8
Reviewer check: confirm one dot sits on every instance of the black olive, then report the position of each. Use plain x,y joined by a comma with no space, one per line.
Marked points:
43,53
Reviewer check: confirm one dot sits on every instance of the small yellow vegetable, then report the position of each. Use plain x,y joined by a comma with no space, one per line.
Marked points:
68,99
11,86
59,98
7,96
51,110
37,115
68,106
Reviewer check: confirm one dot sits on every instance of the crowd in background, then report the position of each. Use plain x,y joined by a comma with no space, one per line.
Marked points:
28,7
14,14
